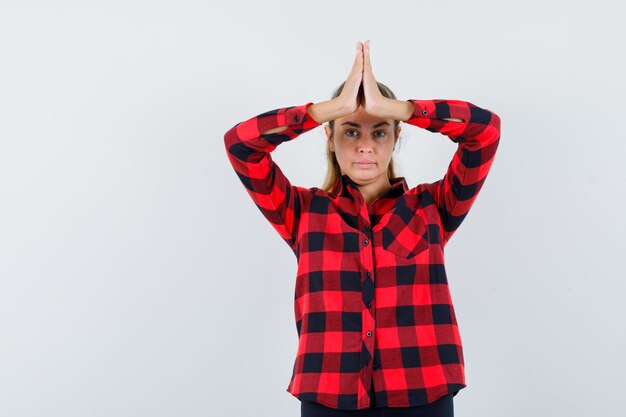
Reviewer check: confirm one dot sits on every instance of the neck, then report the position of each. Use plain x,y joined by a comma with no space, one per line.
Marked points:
372,191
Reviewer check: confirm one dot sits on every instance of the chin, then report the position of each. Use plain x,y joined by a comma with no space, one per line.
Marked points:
365,176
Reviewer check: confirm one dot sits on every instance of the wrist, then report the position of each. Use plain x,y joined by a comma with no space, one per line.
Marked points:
328,110
396,109
409,109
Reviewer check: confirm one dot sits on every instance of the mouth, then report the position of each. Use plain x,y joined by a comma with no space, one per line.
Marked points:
364,164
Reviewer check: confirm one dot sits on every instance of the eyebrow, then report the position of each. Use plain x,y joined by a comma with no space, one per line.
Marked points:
358,125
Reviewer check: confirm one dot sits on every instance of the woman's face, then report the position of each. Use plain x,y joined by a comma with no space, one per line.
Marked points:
363,146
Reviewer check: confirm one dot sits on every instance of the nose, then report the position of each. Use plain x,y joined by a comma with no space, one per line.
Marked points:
365,144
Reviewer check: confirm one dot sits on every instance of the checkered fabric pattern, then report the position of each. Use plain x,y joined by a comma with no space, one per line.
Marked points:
373,309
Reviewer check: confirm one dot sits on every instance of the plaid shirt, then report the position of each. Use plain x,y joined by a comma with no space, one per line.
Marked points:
372,305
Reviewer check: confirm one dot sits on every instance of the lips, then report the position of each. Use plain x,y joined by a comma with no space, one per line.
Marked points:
364,164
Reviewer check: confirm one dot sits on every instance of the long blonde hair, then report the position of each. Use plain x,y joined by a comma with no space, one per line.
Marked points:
333,171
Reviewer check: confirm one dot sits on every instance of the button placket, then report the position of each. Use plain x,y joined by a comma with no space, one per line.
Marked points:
367,259
368,289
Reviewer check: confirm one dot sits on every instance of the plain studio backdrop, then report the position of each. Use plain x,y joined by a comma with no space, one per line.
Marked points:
137,278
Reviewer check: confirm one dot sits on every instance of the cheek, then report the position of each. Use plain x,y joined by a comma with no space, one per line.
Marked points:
341,149
387,149
344,158
340,156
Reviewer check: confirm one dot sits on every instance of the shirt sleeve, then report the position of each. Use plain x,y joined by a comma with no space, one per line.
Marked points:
249,150
477,136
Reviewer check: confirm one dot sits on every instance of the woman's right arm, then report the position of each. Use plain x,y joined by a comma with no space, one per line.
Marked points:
248,146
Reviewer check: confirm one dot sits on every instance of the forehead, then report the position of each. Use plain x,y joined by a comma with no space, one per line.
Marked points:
362,119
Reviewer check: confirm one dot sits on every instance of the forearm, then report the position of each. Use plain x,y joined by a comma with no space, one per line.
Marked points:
327,110
403,110
390,108
320,112
330,110
471,126
246,140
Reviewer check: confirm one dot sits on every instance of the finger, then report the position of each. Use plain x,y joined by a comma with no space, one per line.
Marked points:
357,68
367,64
369,81
366,52
358,58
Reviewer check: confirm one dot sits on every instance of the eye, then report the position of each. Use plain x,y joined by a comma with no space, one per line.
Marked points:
384,134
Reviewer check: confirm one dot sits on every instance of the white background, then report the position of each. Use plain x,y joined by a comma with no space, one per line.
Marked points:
137,278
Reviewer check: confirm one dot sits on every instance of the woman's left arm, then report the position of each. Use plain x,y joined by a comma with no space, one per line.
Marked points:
477,132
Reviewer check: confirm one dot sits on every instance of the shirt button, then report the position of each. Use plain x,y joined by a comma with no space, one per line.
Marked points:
368,274
365,242
297,118
368,305
369,334
424,112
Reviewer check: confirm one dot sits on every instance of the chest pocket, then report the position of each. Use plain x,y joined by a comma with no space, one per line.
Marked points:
405,239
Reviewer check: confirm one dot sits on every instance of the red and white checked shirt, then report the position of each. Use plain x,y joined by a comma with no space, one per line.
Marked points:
372,305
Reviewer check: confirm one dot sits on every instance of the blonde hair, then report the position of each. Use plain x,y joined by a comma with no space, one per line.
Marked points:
333,171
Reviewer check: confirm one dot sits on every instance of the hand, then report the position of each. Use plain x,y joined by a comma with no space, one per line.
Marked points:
373,101
352,90
361,89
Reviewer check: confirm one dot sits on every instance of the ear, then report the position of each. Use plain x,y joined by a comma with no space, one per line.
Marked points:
328,137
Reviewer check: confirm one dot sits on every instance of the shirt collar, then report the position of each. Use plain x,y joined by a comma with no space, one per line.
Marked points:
398,186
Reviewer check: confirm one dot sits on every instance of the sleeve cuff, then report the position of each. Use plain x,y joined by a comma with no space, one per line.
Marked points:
296,117
423,109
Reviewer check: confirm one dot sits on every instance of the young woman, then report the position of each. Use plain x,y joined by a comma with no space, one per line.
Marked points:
377,331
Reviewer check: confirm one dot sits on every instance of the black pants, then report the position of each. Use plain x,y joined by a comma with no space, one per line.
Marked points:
442,407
